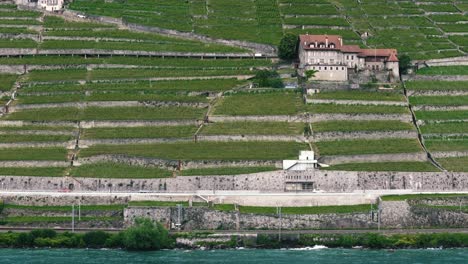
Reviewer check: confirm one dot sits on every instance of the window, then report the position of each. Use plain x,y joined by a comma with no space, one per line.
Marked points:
325,68
322,60
337,68
352,57
332,61
342,68
320,68
347,57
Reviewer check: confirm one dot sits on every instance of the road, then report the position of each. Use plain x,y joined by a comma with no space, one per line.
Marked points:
246,198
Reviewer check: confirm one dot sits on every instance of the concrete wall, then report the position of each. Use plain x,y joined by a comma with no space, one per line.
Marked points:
276,181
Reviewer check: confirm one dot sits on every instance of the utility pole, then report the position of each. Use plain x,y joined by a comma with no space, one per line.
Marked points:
79,210
278,209
379,211
73,218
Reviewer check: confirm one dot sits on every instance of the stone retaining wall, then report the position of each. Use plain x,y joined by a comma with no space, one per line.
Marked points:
276,181
109,104
400,214
340,159
369,135
449,154
199,218
361,117
264,118
354,102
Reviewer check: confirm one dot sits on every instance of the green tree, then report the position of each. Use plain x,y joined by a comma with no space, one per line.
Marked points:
287,49
310,74
404,63
146,235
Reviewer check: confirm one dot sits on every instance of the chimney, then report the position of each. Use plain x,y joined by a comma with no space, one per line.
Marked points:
326,40
341,41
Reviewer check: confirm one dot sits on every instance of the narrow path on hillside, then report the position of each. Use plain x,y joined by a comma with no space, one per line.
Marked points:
420,136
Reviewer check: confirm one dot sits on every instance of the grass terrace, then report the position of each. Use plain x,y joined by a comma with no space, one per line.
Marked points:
442,115
202,151
361,147
404,197
385,166
445,128
452,100
7,81
454,164
119,171
436,85
262,103
225,171
110,96
40,172
356,109
33,154
253,128
140,132
350,126
140,61
108,113
12,138
212,85
447,144
444,70
360,95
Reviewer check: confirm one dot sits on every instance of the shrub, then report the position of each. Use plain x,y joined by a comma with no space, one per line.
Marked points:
266,78
146,235
95,239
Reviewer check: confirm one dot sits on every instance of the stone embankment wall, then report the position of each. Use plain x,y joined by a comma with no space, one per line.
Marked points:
199,218
408,214
276,181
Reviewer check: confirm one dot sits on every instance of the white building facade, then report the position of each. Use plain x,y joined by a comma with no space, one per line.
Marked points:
332,60
48,5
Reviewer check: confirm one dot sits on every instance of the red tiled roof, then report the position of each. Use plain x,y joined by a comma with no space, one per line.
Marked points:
351,48
306,40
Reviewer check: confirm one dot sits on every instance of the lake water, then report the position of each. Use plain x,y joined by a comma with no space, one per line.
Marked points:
323,256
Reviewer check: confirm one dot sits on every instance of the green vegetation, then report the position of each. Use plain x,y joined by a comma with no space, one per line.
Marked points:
226,171
454,164
34,138
115,170
444,70
203,151
447,144
436,85
140,132
287,49
356,109
349,126
7,81
16,220
273,103
385,166
108,113
43,172
355,147
146,235
254,128
107,207
404,197
445,128
442,115
452,100
360,95
39,154
215,85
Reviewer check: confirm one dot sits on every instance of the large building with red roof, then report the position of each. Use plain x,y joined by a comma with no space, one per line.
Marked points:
333,61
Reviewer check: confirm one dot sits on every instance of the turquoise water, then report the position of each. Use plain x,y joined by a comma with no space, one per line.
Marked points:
82,256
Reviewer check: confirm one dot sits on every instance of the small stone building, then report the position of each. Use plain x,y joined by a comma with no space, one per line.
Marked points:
333,61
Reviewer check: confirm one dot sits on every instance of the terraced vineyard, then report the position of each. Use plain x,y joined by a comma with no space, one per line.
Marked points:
86,99
441,110
421,29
